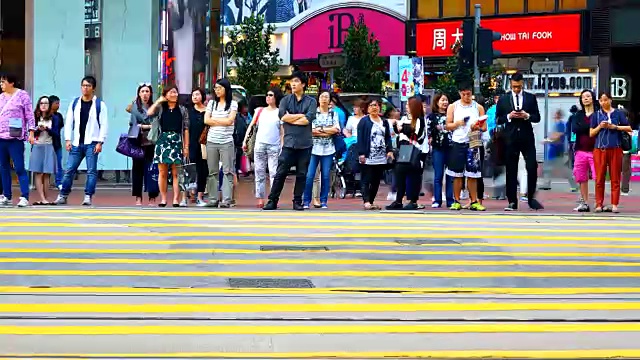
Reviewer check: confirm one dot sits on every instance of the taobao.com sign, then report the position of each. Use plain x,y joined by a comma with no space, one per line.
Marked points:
546,34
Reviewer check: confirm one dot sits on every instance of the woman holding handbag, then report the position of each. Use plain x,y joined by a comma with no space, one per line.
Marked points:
411,134
196,128
263,141
170,132
140,124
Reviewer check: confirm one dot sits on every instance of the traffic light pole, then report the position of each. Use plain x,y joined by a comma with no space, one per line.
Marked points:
476,69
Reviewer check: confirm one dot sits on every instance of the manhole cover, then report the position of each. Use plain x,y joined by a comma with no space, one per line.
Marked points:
293,248
270,283
418,242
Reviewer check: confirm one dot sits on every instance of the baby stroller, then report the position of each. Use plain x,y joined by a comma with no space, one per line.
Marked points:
347,179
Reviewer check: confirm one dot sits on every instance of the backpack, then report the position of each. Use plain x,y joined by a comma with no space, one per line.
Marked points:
98,109
239,129
352,162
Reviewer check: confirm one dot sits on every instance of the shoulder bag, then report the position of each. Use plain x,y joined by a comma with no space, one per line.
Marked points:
251,137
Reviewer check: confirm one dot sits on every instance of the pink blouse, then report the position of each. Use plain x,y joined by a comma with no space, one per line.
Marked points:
17,106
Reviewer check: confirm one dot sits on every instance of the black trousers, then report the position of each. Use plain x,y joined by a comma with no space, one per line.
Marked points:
512,157
481,179
370,177
202,169
138,170
291,157
238,160
407,173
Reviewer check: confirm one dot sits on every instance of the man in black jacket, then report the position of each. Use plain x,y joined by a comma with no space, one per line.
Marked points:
517,110
297,112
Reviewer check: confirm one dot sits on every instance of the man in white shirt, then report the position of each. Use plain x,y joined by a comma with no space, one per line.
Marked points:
85,131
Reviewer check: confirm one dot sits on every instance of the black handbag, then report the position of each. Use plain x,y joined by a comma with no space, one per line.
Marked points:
625,141
409,155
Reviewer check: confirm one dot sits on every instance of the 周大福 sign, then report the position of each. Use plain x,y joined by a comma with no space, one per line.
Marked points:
567,83
545,34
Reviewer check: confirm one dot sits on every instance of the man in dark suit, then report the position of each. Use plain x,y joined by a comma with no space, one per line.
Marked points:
517,110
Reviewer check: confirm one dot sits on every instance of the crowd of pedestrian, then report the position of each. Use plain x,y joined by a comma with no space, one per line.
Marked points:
197,148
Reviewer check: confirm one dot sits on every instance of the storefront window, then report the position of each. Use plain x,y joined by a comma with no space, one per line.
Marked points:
428,9
511,6
93,40
12,38
573,4
541,5
454,8
488,6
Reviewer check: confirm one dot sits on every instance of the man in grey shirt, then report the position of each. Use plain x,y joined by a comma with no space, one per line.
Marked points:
297,112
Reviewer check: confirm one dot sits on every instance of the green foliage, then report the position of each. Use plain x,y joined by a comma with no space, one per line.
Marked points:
255,62
363,69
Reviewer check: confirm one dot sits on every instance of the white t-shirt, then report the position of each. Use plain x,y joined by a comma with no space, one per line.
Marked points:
220,134
268,126
460,111
352,125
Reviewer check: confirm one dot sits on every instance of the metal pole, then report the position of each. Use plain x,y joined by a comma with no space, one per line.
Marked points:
331,80
546,112
476,70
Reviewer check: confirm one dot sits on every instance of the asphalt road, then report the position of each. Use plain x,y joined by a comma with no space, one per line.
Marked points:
186,283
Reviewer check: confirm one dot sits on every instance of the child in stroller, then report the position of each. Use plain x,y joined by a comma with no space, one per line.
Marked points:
347,176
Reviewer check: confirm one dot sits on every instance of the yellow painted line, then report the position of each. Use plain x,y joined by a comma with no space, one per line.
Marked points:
316,243
308,214
319,262
289,219
449,229
423,354
450,233
339,251
319,329
317,291
438,274
29,308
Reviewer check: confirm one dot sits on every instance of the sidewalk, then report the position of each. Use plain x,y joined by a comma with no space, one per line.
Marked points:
557,200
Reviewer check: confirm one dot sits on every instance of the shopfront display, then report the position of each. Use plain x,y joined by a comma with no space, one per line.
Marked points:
545,34
325,31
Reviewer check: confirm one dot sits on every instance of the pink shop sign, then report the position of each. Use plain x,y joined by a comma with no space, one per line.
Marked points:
325,33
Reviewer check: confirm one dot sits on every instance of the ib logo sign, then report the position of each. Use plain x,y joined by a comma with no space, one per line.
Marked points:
620,88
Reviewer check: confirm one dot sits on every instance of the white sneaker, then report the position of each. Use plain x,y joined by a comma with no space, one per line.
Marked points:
61,200
624,193
391,196
23,202
464,195
183,203
200,203
59,187
4,201
87,200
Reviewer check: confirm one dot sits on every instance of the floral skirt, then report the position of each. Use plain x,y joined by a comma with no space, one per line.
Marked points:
168,149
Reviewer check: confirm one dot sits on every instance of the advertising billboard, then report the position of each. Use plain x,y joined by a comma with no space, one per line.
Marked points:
282,11
545,34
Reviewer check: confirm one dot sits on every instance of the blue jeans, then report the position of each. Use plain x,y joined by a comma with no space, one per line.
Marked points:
13,150
440,157
326,162
76,155
59,171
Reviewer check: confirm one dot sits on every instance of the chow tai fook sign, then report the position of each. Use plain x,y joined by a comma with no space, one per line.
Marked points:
548,34
325,32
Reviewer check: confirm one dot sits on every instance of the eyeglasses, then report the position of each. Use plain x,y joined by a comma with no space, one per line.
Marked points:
144,84
270,95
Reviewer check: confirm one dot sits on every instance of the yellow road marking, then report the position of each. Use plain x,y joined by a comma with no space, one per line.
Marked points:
319,262
309,214
316,291
450,233
289,219
319,329
289,308
340,251
423,354
438,274
316,227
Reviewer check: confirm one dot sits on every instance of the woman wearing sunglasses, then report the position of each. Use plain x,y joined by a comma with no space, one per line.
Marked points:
268,141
